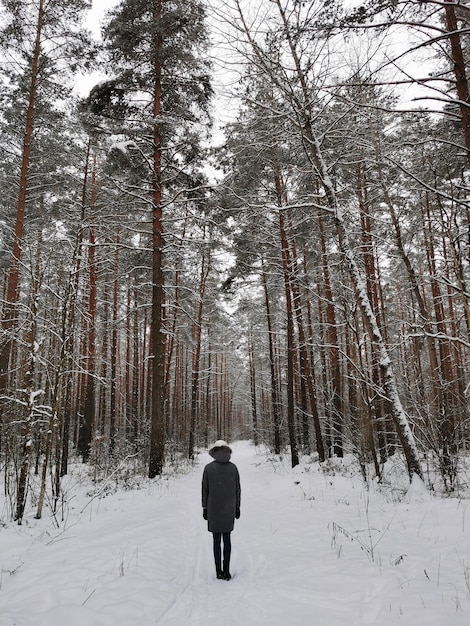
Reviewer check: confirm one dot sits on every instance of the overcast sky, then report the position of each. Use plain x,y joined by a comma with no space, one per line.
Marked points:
96,14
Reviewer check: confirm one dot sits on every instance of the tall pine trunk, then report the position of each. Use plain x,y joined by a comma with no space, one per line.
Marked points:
196,352
253,395
461,82
157,350
113,430
332,348
275,399
280,197
89,407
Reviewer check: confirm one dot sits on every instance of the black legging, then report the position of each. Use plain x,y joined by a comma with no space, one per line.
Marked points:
217,549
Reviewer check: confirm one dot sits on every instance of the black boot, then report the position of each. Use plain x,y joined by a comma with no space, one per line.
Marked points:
218,571
226,573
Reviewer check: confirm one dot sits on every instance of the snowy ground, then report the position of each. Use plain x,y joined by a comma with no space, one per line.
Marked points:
310,548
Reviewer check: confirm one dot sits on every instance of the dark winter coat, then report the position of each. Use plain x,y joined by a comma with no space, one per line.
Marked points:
221,494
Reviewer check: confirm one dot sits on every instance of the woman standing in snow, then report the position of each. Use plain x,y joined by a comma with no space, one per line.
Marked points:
221,503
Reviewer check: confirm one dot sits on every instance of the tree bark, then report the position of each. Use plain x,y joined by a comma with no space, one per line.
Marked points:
196,355
254,403
275,400
280,195
332,348
157,418
461,81
114,355
86,427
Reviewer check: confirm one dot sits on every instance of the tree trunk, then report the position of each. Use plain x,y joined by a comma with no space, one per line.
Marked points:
461,82
30,402
254,404
280,195
446,418
114,355
174,314
86,428
332,348
275,400
372,281
197,333
157,418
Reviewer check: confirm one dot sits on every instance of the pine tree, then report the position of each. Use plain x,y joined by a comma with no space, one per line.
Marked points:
160,93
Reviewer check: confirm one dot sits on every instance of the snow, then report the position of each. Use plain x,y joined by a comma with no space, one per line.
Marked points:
312,546
122,146
34,394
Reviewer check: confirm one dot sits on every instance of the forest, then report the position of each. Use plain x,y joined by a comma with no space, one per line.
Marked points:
255,224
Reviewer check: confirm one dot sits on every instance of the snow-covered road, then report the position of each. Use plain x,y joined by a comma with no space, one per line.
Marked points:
310,548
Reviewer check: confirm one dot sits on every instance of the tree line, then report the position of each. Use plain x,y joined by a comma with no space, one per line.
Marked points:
304,284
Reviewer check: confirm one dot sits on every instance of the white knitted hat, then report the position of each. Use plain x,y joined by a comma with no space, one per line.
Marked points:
220,443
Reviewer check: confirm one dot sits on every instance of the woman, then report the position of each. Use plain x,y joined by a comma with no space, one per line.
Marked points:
221,503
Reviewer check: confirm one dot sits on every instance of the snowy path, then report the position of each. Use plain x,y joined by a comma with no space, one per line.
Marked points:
143,558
